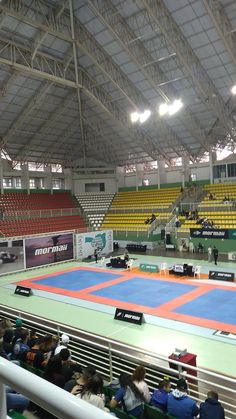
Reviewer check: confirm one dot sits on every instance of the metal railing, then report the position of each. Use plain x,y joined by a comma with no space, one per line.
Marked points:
111,357
43,213
50,397
190,206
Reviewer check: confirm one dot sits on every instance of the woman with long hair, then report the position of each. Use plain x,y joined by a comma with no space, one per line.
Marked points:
138,377
92,392
53,372
129,396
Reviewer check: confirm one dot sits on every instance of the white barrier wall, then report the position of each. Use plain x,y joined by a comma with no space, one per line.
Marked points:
86,243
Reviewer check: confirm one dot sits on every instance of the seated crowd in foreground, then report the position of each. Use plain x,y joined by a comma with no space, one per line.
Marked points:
54,359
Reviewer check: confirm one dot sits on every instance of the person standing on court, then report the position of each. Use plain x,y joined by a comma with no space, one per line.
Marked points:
215,252
96,255
209,252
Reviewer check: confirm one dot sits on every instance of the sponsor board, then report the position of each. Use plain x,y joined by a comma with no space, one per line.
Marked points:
86,243
11,256
128,316
148,267
221,276
45,250
209,233
22,291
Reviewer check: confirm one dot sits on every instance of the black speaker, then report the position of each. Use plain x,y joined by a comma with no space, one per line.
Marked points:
168,240
163,233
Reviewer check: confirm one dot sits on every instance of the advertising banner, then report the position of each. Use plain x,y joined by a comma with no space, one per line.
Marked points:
48,249
222,276
86,243
128,316
209,233
11,256
232,234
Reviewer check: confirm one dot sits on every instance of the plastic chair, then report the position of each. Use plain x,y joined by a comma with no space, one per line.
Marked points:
197,271
102,261
129,264
163,267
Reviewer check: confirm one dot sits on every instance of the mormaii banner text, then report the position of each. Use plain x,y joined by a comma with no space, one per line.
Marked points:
86,243
48,249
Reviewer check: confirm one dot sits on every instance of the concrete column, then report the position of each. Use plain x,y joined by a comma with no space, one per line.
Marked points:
185,170
212,159
25,177
1,176
48,178
162,177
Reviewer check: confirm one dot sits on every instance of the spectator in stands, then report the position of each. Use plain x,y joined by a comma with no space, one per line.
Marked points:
7,341
16,401
53,372
18,330
147,221
160,396
92,392
153,218
215,252
32,338
82,380
35,356
68,367
210,196
129,396
55,343
138,379
180,405
177,222
64,343
211,408
21,345
209,253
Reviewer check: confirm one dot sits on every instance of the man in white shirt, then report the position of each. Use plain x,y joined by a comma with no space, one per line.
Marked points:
64,342
209,252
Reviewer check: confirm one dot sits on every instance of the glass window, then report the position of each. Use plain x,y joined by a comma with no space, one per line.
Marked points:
36,167
56,168
56,184
193,177
18,182
16,165
32,183
7,182
232,170
41,183
219,171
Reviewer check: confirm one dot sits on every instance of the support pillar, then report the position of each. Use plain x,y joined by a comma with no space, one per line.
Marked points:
161,175
1,176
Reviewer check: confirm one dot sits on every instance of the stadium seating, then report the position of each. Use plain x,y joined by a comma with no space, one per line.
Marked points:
139,206
95,206
220,191
20,201
221,219
129,221
14,228
149,199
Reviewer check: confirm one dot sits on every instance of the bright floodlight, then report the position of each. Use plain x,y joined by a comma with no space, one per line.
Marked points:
144,116
233,90
175,106
163,109
134,116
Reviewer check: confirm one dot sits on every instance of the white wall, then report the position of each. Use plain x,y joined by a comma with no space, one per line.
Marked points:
79,183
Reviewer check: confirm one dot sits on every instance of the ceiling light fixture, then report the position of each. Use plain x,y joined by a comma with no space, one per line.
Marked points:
233,90
141,117
171,108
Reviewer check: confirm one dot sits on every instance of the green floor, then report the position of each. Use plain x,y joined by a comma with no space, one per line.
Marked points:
161,340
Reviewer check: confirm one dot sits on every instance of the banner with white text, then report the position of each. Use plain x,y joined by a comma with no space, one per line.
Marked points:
45,250
86,243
